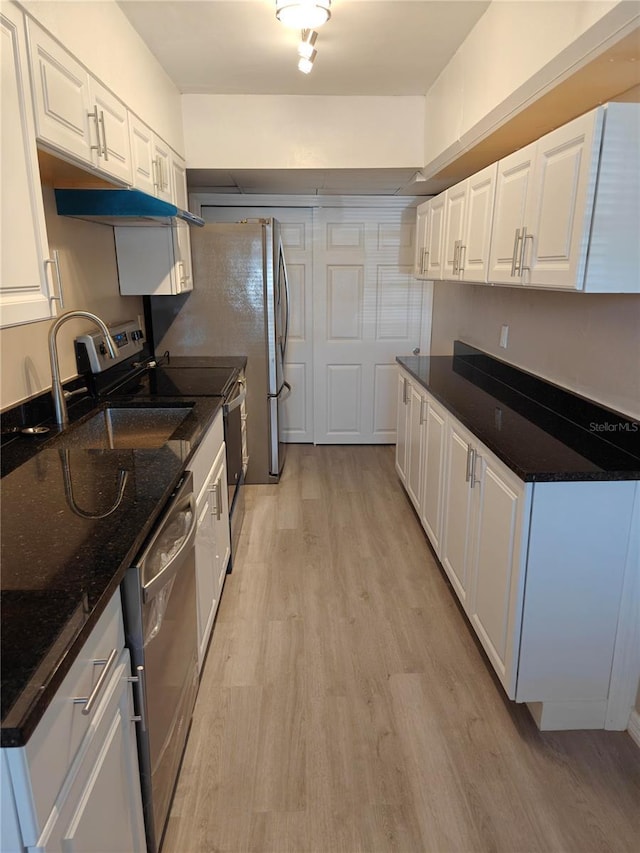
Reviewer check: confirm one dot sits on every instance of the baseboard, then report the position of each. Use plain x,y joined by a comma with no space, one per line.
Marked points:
634,727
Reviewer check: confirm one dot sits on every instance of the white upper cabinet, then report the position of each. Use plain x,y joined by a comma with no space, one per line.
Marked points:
513,183
75,115
422,225
435,238
152,160
561,213
179,181
473,264
455,208
111,121
143,167
24,290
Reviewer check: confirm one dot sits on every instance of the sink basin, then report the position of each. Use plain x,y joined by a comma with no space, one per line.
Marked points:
125,428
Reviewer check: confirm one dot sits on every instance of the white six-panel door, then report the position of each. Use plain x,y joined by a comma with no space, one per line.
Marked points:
367,309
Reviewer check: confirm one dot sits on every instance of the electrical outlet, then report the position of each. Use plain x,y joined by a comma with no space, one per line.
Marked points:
504,337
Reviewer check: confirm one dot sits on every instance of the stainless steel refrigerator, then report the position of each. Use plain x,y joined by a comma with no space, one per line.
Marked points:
239,306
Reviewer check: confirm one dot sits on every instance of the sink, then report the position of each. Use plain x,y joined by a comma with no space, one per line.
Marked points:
125,428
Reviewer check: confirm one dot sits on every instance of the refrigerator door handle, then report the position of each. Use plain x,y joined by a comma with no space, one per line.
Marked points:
286,296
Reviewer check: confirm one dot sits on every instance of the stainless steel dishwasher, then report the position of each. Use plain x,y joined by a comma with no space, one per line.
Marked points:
159,599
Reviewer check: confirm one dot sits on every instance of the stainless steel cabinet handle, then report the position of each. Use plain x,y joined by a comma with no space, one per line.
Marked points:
467,475
105,150
514,269
405,385
94,115
456,258
473,479
89,701
523,250
138,680
216,491
425,260
460,251
55,263
154,169
423,407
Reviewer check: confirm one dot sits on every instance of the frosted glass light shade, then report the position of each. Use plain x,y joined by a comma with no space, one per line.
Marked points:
303,14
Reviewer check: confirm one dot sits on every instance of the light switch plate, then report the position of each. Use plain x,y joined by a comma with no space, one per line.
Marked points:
504,336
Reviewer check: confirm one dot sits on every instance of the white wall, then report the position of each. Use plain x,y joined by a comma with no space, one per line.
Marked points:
588,343
90,279
516,52
302,132
101,37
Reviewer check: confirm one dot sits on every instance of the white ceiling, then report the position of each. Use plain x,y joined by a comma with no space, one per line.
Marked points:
369,47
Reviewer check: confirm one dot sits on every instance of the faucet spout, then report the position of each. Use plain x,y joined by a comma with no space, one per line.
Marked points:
59,401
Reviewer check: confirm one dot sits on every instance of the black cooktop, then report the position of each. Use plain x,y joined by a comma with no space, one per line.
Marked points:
170,381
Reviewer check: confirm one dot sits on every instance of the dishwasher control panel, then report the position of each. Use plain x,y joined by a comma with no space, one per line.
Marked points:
91,349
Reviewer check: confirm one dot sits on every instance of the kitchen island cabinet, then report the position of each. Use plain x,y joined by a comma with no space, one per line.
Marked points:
536,552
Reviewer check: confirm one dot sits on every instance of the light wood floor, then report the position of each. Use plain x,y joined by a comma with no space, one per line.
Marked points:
346,707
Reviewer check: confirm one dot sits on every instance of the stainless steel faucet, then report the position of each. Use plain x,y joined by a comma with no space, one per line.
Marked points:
59,400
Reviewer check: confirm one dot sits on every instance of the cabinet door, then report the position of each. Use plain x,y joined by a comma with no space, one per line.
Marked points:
403,421
458,508
182,252
101,810
558,218
141,140
512,189
205,572
24,290
476,240
61,98
213,548
455,207
494,600
147,261
435,238
179,181
220,511
422,232
432,475
111,119
415,432
162,161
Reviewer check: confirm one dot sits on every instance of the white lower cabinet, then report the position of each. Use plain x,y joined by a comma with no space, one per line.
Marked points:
404,385
457,551
213,537
433,472
415,442
539,567
75,785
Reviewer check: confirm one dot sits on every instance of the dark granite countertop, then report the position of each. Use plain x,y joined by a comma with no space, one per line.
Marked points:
540,431
62,562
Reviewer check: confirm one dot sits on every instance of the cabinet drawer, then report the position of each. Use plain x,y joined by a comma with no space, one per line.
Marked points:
203,459
51,749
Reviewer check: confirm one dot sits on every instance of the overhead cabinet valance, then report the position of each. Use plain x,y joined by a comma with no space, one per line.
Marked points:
561,213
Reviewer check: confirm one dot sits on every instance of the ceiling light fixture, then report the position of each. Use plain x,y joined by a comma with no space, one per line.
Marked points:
303,14
308,39
305,63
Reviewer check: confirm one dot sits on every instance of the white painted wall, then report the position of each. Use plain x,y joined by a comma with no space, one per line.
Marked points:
586,342
516,52
302,132
90,279
101,37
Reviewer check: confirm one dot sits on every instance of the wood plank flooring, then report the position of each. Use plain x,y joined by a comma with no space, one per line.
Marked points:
345,706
